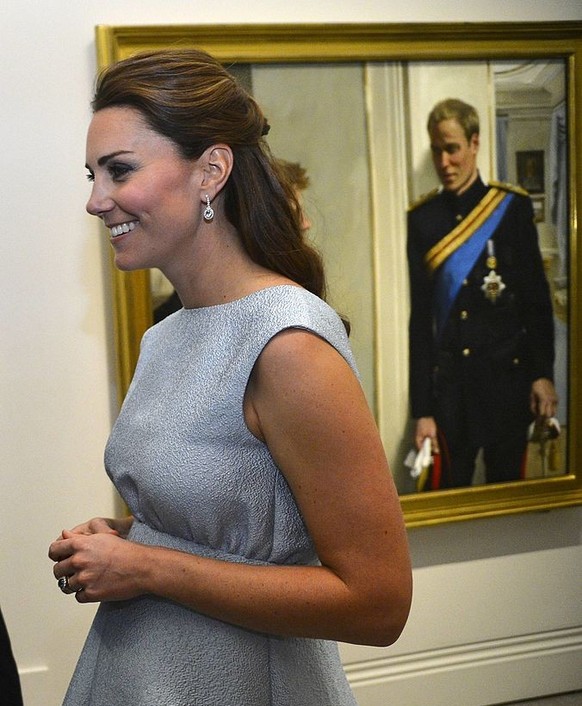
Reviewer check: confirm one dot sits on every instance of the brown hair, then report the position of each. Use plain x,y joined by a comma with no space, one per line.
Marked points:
294,173
455,109
189,97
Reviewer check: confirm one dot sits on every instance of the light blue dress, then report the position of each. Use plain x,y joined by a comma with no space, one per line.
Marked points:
197,480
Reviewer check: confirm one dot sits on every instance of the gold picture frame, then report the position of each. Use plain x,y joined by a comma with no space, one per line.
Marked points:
334,44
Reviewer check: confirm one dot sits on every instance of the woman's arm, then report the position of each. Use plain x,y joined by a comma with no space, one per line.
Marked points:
306,404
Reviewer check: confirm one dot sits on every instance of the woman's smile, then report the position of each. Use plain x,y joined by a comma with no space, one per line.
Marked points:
122,228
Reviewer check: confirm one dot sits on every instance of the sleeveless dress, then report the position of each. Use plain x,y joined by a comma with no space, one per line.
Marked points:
197,480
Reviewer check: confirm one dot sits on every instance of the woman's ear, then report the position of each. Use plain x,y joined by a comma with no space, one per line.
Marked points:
217,162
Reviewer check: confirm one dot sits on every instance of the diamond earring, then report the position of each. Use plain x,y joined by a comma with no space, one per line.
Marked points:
208,211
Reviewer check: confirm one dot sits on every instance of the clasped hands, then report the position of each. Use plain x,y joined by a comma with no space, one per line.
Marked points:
95,561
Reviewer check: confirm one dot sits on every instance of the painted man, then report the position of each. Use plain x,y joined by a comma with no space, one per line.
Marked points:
481,337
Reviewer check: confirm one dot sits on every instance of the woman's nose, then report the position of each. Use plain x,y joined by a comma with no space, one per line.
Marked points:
99,203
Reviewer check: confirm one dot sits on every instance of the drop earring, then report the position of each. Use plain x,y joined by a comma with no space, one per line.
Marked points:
208,211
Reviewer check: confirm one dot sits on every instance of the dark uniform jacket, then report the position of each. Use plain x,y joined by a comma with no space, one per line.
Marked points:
477,380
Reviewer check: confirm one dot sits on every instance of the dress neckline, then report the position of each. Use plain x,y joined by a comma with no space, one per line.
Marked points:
186,311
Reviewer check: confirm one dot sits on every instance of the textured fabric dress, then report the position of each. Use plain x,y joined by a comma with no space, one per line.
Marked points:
197,480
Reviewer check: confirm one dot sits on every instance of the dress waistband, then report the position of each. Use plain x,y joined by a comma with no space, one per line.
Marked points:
144,534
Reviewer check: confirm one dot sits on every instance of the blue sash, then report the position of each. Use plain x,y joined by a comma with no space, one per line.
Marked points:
452,273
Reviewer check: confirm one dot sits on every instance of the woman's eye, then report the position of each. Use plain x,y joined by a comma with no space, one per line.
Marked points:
119,171
90,176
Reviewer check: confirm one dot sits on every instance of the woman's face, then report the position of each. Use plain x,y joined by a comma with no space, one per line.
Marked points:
145,192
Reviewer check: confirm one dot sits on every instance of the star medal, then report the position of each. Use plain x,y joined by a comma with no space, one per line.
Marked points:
492,285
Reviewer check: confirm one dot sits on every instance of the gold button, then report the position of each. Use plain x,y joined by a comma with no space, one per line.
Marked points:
466,352
458,217
464,315
465,282
516,361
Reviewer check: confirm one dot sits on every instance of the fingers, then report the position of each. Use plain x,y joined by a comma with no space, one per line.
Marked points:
100,525
59,549
426,428
63,584
550,406
434,444
544,406
74,555
61,536
62,568
97,525
64,548
68,580
81,596
84,562
67,553
70,585
543,398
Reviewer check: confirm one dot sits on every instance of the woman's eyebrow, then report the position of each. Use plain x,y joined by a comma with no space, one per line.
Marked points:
106,157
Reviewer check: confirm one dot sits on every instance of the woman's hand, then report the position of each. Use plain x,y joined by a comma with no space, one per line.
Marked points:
99,565
102,525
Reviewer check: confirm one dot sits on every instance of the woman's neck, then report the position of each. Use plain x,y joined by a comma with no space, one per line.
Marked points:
219,272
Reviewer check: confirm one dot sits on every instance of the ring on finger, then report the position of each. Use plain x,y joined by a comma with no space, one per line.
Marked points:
63,584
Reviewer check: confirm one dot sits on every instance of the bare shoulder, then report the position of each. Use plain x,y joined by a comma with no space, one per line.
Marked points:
294,344
298,355
299,376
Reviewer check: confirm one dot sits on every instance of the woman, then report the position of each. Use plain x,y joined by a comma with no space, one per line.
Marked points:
265,524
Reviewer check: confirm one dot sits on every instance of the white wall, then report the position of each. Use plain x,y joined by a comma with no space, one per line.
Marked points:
56,374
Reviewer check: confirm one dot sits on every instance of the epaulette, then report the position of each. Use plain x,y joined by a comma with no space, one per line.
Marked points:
424,198
509,187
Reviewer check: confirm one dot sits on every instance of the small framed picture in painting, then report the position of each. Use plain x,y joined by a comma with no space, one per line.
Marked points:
539,208
530,170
